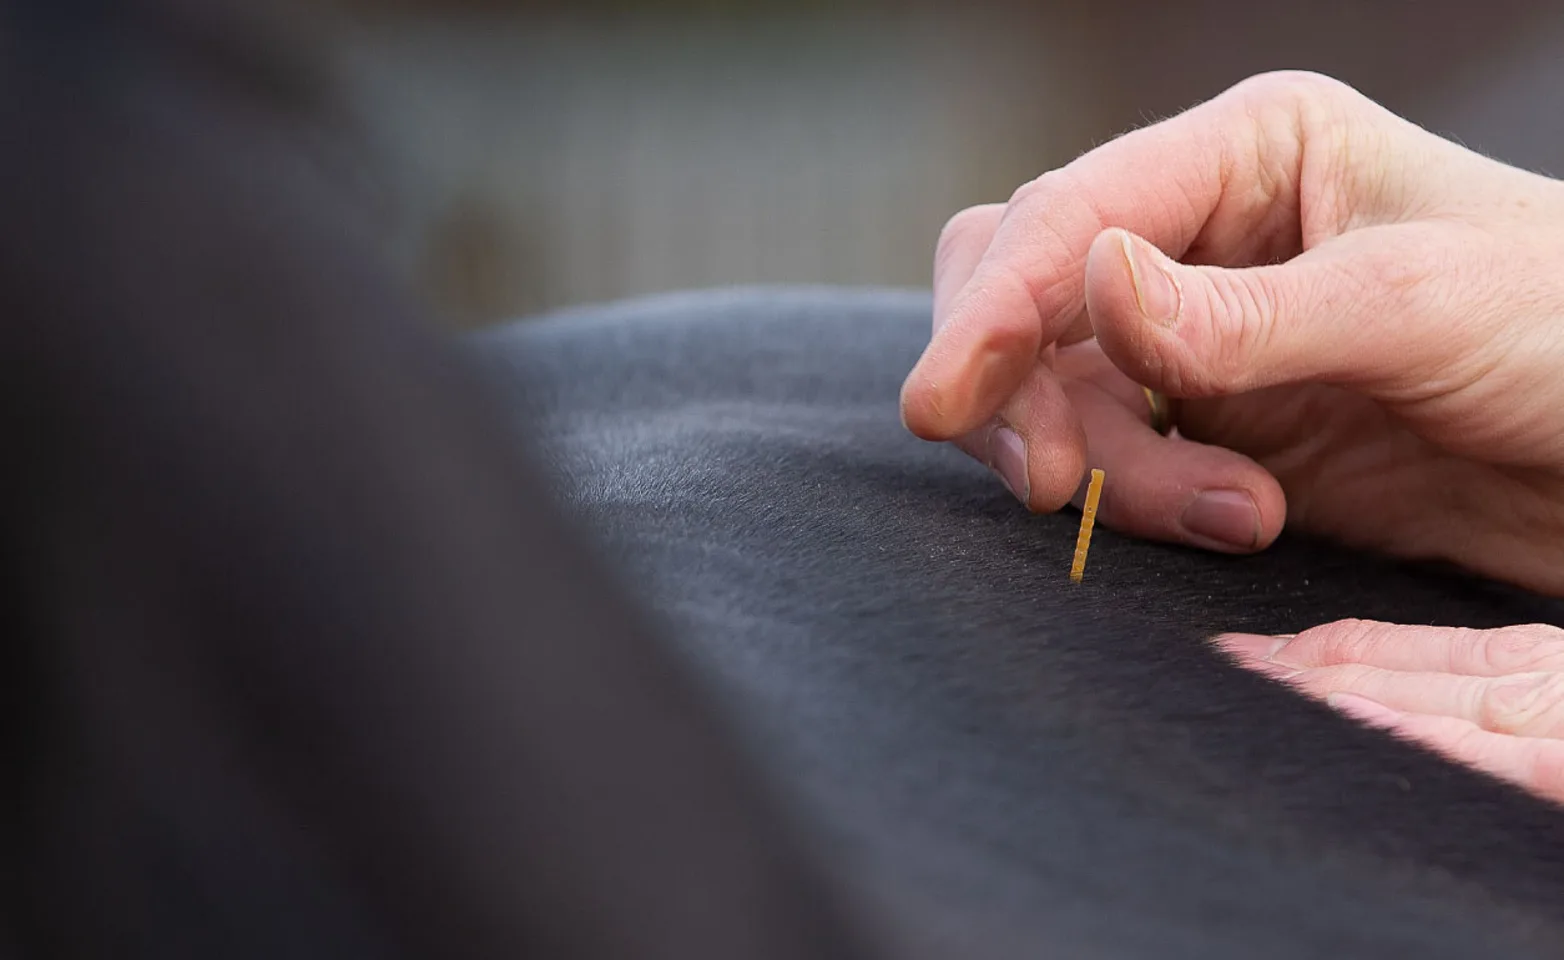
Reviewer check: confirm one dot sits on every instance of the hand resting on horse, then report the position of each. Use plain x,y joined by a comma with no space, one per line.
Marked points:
1355,326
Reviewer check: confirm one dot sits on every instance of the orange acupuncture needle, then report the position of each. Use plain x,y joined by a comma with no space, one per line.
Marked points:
1083,540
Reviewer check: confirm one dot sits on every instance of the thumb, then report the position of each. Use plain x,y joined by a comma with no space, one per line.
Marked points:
1363,309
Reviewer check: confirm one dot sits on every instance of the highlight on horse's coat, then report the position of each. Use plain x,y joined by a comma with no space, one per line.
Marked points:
1083,540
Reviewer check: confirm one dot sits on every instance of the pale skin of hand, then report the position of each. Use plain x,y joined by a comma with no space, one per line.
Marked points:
1362,325
1491,699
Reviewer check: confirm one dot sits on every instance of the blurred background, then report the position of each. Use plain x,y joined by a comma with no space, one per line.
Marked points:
536,155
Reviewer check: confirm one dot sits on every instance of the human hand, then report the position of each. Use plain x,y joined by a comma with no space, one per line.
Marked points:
1366,331
1490,699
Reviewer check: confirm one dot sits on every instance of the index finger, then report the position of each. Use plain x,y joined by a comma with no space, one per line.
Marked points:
1222,177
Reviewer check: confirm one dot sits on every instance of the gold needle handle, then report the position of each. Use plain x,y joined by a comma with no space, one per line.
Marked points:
1083,540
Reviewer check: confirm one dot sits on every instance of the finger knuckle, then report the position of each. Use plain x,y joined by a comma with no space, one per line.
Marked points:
961,231
1293,84
1517,649
1342,134
1041,191
1056,214
1307,93
1010,333
1524,704
1056,206
1300,93
1348,641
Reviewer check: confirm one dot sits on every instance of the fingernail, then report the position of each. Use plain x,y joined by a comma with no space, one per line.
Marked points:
1007,457
1371,712
1253,651
1266,648
1156,291
1277,645
1226,519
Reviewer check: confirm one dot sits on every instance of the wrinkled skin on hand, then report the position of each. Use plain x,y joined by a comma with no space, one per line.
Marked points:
1362,328
1361,321
1492,699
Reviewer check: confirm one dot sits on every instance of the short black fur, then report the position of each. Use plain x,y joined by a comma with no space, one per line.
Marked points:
1009,764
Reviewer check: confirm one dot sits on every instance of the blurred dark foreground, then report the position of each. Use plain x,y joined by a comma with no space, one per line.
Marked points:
299,662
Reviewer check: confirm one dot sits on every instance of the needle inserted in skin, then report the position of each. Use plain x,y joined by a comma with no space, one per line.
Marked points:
1083,540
